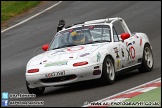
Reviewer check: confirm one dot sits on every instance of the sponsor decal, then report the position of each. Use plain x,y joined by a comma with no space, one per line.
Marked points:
75,48
116,51
140,41
129,44
117,55
118,64
70,30
43,61
136,36
98,57
60,52
84,54
53,74
122,52
91,27
128,53
60,63
56,54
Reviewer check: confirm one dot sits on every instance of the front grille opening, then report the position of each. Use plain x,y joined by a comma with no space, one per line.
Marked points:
58,79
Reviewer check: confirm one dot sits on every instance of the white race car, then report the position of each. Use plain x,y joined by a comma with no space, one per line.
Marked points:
92,50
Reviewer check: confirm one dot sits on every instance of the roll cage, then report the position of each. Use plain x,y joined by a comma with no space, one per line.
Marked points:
107,21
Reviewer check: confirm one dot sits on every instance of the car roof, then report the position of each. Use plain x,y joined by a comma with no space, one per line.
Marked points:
80,25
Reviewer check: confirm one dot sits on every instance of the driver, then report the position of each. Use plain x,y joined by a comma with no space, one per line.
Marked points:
78,37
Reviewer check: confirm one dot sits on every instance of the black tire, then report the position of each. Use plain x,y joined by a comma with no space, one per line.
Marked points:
37,91
147,60
107,77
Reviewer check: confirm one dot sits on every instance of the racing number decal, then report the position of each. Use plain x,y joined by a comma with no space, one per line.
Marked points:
131,52
132,49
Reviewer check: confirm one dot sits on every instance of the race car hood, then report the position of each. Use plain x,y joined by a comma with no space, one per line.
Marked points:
65,54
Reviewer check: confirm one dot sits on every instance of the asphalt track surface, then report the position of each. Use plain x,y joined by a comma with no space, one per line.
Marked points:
23,42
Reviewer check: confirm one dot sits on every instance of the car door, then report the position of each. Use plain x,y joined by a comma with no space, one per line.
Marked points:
119,59
133,49
127,50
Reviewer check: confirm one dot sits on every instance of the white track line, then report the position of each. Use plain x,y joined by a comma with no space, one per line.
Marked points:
31,17
125,91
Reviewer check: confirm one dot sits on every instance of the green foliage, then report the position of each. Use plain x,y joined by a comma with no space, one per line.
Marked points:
10,9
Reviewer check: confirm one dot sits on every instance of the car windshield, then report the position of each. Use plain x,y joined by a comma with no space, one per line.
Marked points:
81,35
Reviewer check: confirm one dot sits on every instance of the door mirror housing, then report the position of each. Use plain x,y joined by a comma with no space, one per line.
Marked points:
124,36
45,47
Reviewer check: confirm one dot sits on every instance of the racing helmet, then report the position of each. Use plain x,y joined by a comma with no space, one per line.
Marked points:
78,37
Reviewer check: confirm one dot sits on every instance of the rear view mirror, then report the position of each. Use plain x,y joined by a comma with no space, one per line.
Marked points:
124,36
45,47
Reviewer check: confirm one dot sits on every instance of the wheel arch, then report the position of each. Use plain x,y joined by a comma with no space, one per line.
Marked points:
109,55
146,43
105,77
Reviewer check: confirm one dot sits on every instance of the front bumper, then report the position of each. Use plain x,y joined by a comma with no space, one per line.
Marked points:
71,76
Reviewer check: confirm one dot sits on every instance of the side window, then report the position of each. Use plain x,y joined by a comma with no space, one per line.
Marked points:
115,35
101,34
118,27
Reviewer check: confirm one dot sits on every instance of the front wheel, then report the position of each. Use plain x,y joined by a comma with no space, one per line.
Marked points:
108,71
147,60
37,90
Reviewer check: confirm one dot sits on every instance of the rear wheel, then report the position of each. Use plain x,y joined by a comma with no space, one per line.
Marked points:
37,91
147,60
108,71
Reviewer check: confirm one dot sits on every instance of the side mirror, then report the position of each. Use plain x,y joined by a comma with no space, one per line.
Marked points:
125,36
45,47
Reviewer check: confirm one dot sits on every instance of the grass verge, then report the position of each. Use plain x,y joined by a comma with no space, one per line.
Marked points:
151,98
10,9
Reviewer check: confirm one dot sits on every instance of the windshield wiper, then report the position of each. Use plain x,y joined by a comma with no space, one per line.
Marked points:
64,46
98,41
